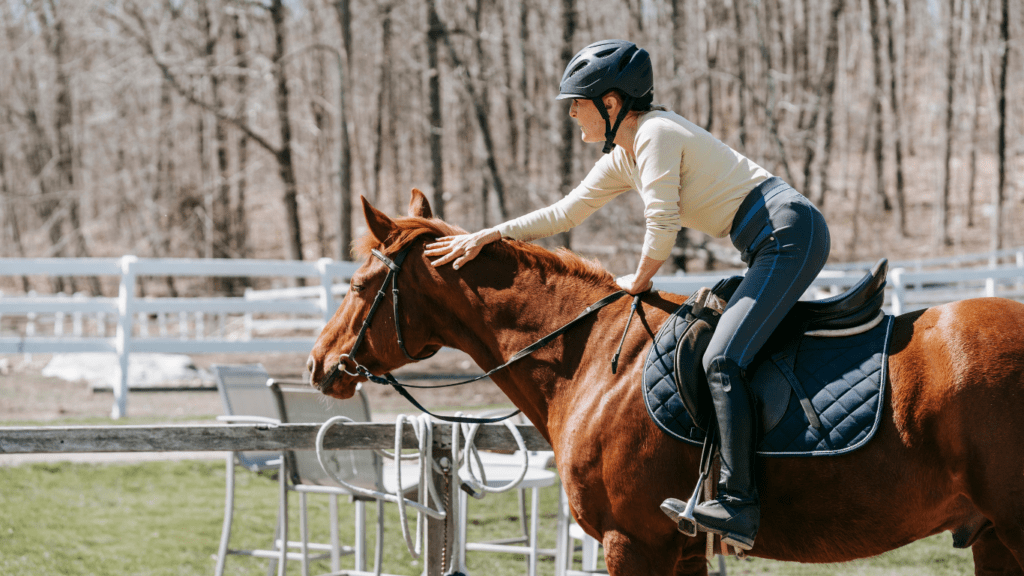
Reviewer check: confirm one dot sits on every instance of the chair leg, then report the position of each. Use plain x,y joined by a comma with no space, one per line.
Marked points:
335,537
272,563
463,504
282,563
562,544
303,534
534,521
521,494
589,554
378,556
229,510
360,543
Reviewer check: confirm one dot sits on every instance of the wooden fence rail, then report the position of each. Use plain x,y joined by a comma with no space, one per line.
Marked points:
238,437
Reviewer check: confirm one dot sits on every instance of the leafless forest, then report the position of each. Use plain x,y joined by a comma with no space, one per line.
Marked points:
249,128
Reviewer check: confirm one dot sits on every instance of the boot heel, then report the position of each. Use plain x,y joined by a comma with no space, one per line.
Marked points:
738,542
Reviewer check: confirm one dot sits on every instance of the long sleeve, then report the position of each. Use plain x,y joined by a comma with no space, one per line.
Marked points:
605,181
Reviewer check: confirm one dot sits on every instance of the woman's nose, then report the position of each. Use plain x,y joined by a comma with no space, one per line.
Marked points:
572,109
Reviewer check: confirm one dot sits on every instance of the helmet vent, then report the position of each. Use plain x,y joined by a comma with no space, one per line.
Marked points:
626,58
607,52
578,68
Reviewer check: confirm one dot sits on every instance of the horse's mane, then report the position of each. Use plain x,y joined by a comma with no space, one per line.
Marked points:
561,261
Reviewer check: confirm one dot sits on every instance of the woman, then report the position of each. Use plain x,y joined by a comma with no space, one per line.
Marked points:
687,178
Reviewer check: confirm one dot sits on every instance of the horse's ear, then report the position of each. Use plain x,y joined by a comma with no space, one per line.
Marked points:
380,225
419,205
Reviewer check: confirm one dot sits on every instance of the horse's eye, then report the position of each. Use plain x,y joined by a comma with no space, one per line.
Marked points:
357,288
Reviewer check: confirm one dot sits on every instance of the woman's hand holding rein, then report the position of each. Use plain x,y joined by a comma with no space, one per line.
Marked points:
461,248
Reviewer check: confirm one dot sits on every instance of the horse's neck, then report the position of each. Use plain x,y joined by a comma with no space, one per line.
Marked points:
501,323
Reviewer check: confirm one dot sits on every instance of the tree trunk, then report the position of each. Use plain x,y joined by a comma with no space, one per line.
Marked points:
435,31
512,103
482,120
65,141
897,120
240,223
286,168
220,192
942,202
741,72
384,110
344,200
680,53
999,194
876,104
569,130
825,101
829,105
10,220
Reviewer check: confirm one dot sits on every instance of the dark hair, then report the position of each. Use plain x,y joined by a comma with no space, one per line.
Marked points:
646,104
643,104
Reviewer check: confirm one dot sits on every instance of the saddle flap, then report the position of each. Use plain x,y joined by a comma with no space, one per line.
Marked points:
698,326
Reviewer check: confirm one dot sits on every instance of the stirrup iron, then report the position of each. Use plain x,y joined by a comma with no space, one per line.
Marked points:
685,521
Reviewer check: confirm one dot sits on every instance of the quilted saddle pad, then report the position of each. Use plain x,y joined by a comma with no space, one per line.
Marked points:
844,379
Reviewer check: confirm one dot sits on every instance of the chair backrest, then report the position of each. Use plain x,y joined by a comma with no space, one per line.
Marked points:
244,393
357,467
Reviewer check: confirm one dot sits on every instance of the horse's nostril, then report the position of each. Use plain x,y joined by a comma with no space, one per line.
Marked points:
311,365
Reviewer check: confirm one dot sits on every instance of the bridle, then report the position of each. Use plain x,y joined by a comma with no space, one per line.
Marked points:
394,267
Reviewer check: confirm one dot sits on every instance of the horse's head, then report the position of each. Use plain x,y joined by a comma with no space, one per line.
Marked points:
364,335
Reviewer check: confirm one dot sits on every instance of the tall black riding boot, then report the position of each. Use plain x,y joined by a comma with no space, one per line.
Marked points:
735,513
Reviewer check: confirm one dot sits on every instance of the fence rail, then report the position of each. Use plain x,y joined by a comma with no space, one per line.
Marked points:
270,320
239,437
131,328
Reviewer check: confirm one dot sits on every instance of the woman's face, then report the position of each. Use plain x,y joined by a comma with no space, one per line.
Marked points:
589,119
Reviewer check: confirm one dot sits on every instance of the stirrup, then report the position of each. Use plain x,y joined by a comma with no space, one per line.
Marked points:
682,512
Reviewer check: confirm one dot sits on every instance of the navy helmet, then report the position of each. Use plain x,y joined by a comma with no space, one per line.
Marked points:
608,65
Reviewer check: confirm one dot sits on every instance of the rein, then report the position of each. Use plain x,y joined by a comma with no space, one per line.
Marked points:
394,267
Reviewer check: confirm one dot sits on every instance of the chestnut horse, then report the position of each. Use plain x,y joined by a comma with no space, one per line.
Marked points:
948,455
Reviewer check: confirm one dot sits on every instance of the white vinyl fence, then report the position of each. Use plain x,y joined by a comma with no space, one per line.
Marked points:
256,321
180,322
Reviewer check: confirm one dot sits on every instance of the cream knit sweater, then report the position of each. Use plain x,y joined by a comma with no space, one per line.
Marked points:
686,177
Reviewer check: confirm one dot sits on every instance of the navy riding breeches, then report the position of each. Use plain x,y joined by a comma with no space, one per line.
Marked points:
784,241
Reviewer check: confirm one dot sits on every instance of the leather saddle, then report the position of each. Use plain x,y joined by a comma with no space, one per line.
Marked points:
855,311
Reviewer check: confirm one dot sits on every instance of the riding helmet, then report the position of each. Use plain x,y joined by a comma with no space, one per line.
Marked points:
607,65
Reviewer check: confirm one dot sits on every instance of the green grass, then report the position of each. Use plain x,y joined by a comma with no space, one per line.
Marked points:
165,518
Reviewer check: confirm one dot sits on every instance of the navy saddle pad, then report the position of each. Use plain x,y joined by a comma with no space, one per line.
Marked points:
844,379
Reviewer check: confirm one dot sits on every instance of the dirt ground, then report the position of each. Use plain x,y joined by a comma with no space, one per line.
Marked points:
27,396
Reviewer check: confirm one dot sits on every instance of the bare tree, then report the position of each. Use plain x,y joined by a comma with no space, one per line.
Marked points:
942,202
878,148
999,194
568,125
897,118
435,32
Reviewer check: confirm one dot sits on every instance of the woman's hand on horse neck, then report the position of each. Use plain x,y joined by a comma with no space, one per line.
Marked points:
640,281
461,248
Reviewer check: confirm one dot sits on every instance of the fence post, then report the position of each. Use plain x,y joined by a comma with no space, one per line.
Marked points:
326,281
898,291
441,533
125,296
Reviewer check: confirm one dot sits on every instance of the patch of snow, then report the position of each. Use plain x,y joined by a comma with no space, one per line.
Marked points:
102,370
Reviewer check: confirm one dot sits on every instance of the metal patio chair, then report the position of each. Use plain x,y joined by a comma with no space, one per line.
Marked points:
249,395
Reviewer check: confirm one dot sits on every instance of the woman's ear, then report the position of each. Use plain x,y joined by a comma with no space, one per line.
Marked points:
612,103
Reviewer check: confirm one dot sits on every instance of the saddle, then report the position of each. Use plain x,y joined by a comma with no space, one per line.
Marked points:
817,383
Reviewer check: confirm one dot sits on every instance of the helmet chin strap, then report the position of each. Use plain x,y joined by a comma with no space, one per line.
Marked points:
609,130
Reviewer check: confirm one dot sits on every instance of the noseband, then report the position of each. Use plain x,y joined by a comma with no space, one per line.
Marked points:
394,267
